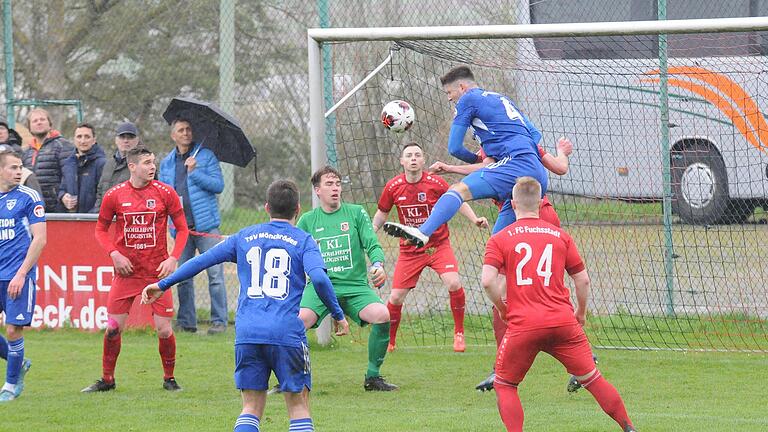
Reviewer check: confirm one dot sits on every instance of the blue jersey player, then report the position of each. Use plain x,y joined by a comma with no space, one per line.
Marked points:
22,238
505,135
272,261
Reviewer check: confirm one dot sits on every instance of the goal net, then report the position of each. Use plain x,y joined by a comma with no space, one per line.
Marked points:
664,191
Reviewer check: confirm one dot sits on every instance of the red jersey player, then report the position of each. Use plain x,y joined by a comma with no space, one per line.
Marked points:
540,317
414,193
556,164
139,252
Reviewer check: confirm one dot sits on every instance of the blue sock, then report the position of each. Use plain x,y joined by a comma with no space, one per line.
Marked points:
15,358
247,423
301,425
3,348
444,209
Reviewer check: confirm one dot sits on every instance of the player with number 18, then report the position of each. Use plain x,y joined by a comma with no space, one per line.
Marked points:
273,260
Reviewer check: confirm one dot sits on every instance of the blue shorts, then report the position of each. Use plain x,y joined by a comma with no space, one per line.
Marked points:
497,179
255,362
18,311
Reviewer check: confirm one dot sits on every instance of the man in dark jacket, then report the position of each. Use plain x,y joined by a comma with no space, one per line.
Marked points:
116,169
82,171
45,156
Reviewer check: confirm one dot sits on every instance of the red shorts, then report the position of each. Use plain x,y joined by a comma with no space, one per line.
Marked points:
409,266
125,290
518,349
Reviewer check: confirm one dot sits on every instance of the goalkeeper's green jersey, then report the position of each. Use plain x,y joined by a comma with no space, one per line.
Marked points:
345,237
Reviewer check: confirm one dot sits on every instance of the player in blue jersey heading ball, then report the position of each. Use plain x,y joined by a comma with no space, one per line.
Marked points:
273,260
22,238
504,133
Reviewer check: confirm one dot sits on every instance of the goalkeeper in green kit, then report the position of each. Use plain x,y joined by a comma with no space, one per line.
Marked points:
345,235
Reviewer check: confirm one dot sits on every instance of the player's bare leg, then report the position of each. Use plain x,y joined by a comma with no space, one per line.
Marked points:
17,365
457,301
111,350
253,408
167,349
378,316
395,307
298,411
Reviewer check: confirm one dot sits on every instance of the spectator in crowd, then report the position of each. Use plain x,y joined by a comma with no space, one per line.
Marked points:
116,169
82,171
9,136
10,140
46,155
195,173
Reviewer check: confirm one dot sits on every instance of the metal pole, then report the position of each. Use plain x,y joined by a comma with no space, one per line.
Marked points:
316,118
8,54
535,30
318,149
669,265
226,89
330,121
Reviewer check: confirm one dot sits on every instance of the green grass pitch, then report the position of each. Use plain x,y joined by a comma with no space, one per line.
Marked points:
663,391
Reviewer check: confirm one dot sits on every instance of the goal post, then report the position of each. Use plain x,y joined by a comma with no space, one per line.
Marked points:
672,276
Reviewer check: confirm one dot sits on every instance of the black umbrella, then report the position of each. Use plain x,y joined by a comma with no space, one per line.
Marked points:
214,129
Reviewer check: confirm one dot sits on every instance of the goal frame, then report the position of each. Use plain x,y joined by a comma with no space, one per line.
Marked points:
316,37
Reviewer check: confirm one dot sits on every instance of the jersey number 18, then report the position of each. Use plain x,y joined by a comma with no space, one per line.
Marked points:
272,280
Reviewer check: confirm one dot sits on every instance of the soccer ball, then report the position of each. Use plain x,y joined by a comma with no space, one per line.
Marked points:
397,116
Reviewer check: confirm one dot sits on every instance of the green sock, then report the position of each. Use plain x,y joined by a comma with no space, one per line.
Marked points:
377,348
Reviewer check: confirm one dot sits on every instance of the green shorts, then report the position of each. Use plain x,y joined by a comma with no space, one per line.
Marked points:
352,301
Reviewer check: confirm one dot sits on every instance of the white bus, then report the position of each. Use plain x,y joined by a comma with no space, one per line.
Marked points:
603,92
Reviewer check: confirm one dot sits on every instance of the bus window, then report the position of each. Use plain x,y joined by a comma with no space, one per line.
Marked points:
646,46
599,47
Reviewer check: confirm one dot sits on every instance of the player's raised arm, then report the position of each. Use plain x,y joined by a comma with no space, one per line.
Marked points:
222,252
558,164
456,144
467,211
378,219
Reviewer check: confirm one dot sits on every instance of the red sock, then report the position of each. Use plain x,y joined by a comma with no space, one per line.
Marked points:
167,348
395,313
109,355
609,399
499,327
510,408
458,301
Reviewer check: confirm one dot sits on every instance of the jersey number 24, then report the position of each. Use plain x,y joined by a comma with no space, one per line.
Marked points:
543,268
272,280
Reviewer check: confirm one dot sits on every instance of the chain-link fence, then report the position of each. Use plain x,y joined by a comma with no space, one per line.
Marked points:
117,60
114,60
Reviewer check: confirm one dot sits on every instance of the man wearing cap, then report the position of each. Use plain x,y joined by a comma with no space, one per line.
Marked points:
195,174
116,169
46,155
